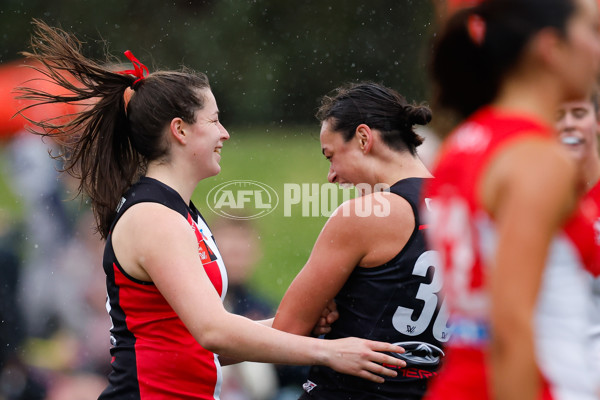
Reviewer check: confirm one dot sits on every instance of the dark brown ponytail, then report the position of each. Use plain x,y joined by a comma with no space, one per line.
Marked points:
103,146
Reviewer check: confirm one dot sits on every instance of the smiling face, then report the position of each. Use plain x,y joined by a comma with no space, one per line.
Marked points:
207,136
344,157
577,128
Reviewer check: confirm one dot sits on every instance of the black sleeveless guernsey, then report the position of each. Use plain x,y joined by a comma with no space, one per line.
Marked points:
397,302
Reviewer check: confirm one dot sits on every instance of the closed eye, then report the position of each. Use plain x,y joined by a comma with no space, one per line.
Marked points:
580,113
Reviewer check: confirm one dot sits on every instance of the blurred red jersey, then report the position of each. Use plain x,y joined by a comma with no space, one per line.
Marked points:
465,236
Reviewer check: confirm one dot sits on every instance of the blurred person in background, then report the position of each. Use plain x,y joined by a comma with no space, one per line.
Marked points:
40,193
40,233
577,127
61,332
79,306
74,357
239,244
139,151
504,194
47,224
17,380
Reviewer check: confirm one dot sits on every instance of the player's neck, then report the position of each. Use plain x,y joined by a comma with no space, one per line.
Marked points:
166,174
405,167
538,98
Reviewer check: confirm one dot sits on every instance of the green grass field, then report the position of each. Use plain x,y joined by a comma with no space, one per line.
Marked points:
273,157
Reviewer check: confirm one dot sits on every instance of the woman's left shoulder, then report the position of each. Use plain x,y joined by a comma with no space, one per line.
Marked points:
374,211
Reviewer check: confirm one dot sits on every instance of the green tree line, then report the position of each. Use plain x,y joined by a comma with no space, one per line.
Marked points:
268,60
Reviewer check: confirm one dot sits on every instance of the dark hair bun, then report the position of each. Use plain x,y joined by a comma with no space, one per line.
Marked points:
417,115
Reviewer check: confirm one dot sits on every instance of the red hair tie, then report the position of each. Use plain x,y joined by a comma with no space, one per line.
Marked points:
138,70
476,27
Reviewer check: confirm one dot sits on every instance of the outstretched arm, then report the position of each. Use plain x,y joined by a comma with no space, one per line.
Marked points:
179,275
328,316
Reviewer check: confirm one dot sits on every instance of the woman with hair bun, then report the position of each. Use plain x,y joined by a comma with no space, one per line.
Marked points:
140,148
370,256
503,198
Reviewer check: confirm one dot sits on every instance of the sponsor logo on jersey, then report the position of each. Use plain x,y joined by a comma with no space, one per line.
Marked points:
419,354
308,386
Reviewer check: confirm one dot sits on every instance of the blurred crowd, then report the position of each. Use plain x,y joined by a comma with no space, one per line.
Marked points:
55,326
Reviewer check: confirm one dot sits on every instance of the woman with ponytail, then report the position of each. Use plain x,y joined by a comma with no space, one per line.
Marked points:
140,146
370,256
504,197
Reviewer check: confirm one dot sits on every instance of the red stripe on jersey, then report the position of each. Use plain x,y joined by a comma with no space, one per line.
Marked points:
214,273
208,258
169,361
584,230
